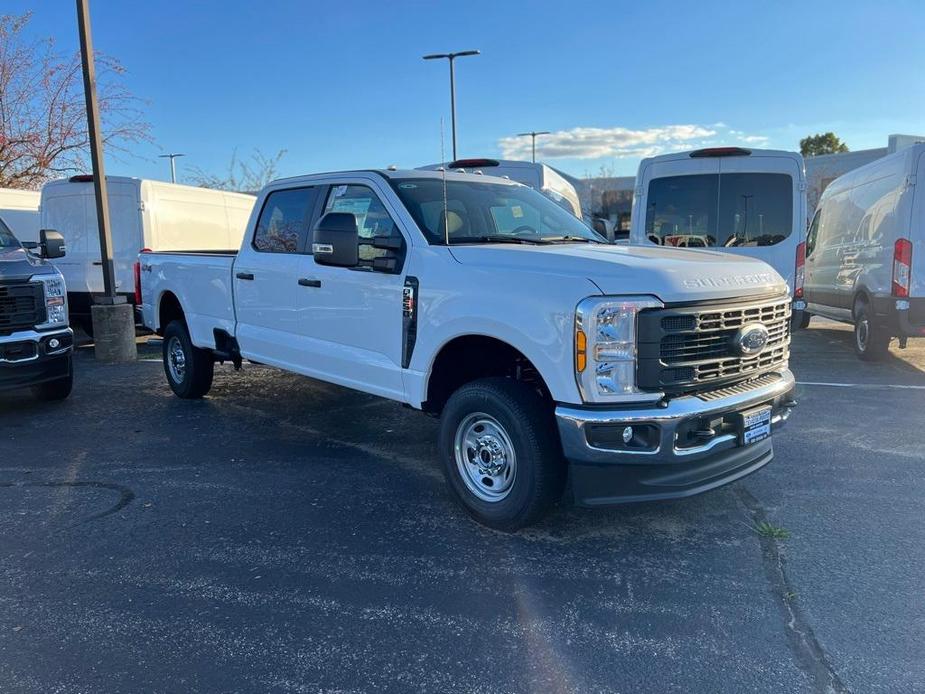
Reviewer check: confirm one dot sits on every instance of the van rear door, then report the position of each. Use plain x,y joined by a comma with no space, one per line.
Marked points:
742,203
64,209
917,230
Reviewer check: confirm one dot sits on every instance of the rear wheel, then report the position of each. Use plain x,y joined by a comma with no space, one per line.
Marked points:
871,340
801,320
501,456
58,389
188,368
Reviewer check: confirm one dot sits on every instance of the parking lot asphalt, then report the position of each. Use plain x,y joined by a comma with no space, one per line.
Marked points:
285,535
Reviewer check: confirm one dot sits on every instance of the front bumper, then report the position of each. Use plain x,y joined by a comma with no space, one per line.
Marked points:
674,457
28,357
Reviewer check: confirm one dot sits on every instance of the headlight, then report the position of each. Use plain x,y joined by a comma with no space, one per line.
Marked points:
605,346
55,300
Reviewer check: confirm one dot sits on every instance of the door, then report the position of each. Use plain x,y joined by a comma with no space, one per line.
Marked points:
269,304
355,326
676,203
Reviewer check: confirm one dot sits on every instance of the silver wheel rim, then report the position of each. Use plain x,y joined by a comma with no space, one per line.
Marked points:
485,457
176,360
862,333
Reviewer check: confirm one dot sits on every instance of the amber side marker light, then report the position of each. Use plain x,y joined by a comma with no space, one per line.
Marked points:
581,351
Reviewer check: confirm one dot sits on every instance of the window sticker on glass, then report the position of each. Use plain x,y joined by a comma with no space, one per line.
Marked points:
517,211
339,190
407,186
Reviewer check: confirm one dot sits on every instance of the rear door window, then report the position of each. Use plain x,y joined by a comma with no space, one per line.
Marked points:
283,223
731,210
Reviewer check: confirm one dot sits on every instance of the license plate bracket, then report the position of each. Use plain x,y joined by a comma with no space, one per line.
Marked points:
754,425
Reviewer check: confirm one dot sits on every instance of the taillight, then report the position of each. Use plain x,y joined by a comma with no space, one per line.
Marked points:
902,267
800,273
136,268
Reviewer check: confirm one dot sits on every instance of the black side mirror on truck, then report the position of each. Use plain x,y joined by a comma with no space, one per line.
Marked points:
50,245
336,240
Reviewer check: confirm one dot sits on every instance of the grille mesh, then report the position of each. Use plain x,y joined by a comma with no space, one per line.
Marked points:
20,306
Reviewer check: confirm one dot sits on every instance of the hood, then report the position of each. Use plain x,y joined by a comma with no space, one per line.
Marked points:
17,264
671,274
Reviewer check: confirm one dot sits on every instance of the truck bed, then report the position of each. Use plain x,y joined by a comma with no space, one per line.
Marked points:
201,282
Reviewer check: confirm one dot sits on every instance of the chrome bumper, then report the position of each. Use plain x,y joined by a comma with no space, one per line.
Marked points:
669,467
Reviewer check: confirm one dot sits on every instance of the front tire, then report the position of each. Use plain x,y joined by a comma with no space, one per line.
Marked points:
188,368
501,454
59,389
871,340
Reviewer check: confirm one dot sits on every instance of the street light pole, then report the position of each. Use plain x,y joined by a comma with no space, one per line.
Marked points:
173,166
113,319
532,134
96,150
451,57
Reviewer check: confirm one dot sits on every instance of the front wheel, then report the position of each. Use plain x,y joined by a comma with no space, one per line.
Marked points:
189,369
871,340
501,456
60,388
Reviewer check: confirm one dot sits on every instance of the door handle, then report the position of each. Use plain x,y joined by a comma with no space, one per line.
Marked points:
305,282
244,275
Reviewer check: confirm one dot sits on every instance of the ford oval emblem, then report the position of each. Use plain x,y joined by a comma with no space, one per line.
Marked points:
751,339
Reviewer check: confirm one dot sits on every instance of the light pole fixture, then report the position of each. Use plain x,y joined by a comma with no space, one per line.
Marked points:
451,57
173,166
532,134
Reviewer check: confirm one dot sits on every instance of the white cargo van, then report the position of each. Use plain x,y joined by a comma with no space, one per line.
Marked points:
860,264
744,201
540,177
143,214
19,209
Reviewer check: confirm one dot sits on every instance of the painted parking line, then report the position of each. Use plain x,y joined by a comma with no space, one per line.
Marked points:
859,385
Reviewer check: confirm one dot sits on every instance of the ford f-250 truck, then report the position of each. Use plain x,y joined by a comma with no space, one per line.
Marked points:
553,359
35,340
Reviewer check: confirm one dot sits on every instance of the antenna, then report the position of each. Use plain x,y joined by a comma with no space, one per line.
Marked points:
446,213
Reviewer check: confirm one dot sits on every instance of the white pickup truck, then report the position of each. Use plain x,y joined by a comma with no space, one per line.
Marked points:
553,359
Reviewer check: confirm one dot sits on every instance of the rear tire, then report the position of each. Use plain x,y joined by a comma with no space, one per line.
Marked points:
801,320
188,368
59,389
501,455
871,340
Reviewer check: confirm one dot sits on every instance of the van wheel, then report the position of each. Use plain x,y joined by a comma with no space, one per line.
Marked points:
189,369
58,389
800,320
871,340
501,456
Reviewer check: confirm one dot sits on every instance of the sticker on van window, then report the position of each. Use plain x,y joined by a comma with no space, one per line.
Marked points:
517,211
339,190
407,186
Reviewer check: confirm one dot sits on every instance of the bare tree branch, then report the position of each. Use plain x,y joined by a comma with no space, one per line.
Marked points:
43,122
243,176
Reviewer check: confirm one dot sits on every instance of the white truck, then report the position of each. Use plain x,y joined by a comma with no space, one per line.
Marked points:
142,214
19,210
549,355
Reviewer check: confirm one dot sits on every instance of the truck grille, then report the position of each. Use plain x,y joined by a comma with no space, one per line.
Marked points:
21,307
693,348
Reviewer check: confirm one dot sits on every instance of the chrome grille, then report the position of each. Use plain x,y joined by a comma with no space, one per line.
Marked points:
692,348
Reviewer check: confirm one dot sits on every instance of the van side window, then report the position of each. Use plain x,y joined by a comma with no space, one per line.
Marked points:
812,234
283,223
372,217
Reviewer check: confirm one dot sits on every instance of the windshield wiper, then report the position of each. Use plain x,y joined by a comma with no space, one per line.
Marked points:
569,239
493,238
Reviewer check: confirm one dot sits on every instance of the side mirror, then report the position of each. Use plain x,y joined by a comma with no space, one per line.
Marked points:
51,243
336,240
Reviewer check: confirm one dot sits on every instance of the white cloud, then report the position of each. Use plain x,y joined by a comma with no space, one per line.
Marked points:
600,143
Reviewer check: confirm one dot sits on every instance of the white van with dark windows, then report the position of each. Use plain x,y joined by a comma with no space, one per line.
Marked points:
744,201
865,261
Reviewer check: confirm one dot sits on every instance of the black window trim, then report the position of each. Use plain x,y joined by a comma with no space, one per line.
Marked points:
304,245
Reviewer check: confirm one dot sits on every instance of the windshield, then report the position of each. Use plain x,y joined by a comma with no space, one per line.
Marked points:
7,240
477,212
720,210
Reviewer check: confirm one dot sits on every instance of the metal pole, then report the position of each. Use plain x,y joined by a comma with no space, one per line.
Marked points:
533,134
533,138
453,101
96,151
173,170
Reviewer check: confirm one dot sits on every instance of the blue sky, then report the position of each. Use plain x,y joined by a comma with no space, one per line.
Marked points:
342,85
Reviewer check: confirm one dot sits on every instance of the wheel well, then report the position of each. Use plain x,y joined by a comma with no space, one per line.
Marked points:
169,310
465,359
